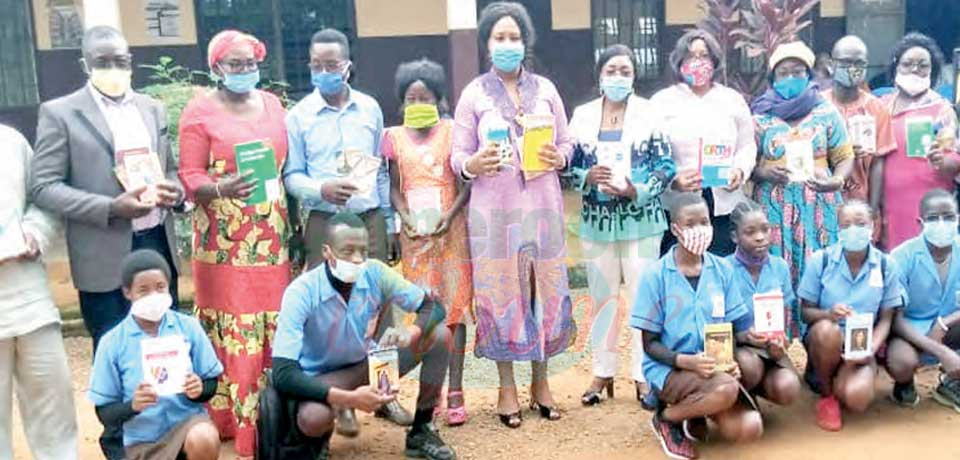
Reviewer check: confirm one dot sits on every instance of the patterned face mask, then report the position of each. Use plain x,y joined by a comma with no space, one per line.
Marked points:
696,239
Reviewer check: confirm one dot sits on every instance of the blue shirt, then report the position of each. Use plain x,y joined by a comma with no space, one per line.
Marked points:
926,297
870,291
666,304
118,370
318,134
321,332
774,276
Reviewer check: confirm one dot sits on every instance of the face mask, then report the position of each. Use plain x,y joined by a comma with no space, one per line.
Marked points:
697,72
112,82
241,83
791,87
506,57
751,260
855,238
418,116
328,83
842,77
913,84
940,233
151,307
346,271
616,88
696,239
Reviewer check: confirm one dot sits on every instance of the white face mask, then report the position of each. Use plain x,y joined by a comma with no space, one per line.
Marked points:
346,271
151,307
913,84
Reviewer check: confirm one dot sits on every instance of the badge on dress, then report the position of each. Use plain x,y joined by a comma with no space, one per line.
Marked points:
876,278
718,308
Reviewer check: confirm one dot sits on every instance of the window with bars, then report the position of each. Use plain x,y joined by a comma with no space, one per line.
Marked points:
637,24
18,74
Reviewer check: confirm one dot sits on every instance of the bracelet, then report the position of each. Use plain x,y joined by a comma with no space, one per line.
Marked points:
942,324
467,176
216,187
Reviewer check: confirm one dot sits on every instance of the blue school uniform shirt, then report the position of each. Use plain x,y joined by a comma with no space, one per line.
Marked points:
774,276
830,283
666,304
321,332
118,370
926,297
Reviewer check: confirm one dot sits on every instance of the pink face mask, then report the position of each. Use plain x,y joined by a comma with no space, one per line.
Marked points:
697,72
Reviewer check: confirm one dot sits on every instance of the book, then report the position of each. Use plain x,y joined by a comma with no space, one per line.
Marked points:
769,315
360,169
863,132
12,241
718,344
259,159
425,207
140,168
616,156
799,159
166,363
919,136
537,132
499,134
858,336
384,368
716,162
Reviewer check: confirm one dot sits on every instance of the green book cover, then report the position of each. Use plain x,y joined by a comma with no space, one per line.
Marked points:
919,136
258,157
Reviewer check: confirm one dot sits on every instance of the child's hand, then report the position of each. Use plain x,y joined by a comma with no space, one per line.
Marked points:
702,365
193,386
778,347
735,371
143,397
840,311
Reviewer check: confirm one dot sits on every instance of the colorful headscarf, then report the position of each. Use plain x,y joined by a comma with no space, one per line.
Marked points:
225,41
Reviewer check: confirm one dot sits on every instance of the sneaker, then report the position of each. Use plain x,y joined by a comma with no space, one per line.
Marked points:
828,414
424,442
695,429
674,443
948,393
905,394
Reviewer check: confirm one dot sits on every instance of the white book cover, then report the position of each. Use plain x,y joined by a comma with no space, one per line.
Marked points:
616,156
425,207
361,169
768,314
858,336
863,132
799,158
166,363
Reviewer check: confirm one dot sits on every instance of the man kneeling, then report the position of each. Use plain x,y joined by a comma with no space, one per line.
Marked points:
161,420
328,323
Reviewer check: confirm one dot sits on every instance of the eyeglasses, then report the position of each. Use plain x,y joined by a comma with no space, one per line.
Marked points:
948,218
915,66
796,72
237,66
329,66
120,61
858,65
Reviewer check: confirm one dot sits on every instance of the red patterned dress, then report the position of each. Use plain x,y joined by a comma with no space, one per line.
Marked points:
240,263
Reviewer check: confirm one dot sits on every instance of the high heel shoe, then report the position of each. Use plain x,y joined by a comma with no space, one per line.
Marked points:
591,397
512,420
546,412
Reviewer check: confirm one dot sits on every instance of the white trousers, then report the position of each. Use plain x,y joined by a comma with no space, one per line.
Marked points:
36,365
608,265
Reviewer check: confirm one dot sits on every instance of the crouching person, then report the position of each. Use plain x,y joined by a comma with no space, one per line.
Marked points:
329,321
161,421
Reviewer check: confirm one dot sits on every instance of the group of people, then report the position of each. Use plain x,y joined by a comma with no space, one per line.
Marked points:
482,240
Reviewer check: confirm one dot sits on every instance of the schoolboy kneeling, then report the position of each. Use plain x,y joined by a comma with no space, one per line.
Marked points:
164,419
686,291
851,277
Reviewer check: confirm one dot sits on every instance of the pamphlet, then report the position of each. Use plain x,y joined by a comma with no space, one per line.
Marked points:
537,132
384,367
716,162
616,157
920,136
12,241
259,159
361,169
858,336
425,207
718,344
799,157
499,134
768,314
140,168
166,363
863,132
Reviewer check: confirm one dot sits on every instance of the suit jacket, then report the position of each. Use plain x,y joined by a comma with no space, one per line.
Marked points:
73,174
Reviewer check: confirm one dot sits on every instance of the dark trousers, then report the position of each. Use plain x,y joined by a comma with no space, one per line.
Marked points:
723,243
315,235
103,310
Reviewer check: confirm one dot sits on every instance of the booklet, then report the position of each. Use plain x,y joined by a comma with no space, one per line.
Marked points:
616,156
537,132
499,134
259,158
799,157
716,161
768,314
12,241
718,344
863,132
361,169
920,136
858,336
384,367
140,168
166,363
425,207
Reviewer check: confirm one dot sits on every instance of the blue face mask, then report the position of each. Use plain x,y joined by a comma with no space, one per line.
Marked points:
855,238
328,83
241,83
842,77
616,88
791,87
506,57
940,233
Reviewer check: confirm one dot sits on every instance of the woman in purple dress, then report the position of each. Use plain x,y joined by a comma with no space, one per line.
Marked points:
516,220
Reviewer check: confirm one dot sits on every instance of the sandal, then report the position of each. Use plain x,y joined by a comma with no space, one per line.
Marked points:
546,412
591,397
512,420
456,416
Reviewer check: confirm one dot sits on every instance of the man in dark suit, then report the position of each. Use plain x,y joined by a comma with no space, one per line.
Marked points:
81,139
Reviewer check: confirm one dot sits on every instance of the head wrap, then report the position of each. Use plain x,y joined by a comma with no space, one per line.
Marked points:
223,42
796,50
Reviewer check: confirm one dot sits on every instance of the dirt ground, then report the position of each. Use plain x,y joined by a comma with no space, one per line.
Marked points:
616,429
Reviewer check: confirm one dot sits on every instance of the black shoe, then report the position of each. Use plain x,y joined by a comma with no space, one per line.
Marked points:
905,394
395,413
423,441
948,392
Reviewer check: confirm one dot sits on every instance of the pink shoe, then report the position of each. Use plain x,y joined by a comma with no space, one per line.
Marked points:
456,416
828,414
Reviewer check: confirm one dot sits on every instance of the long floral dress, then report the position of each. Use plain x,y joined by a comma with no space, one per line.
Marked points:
240,262
441,264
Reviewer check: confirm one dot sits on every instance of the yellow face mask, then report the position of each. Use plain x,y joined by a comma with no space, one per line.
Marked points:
419,116
112,82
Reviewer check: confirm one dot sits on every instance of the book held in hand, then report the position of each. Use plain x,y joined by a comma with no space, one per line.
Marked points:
384,367
12,241
718,344
140,168
768,314
361,170
863,132
858,336
920,136
616,157
166,363
425,207
799,157
537,132
258,159
716,162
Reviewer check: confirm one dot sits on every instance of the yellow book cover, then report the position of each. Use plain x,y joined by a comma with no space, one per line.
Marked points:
718,344
537,132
